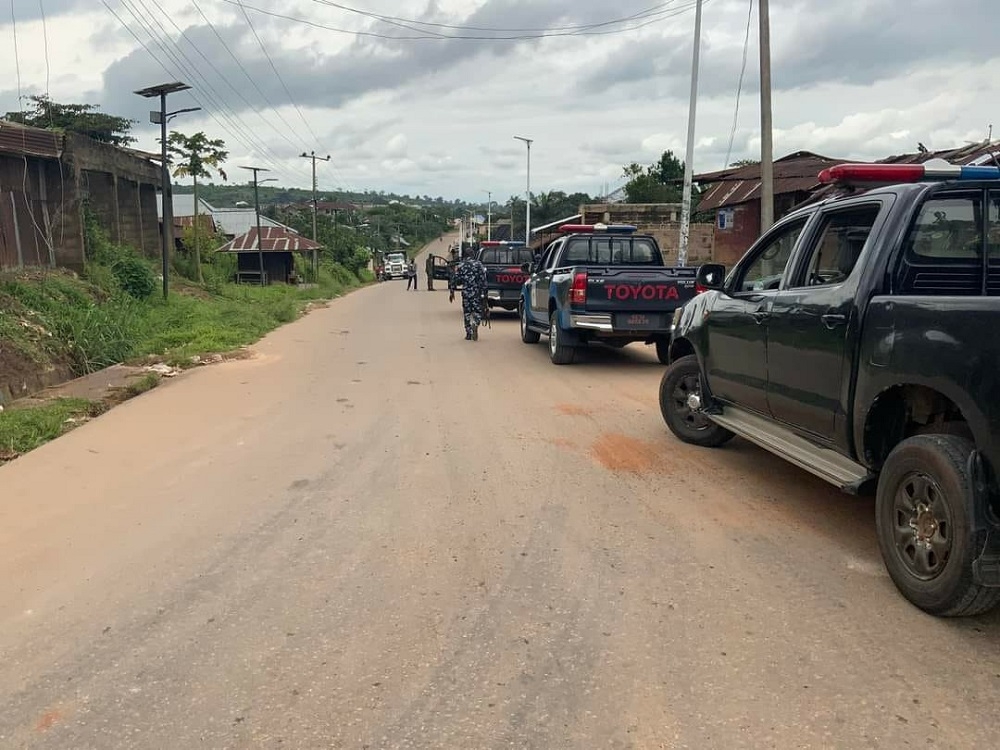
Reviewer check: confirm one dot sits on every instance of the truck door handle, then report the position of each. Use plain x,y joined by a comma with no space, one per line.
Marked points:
760,316
832,320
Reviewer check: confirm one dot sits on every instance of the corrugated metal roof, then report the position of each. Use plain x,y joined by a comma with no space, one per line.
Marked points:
21,140
273,240
794,173
972,153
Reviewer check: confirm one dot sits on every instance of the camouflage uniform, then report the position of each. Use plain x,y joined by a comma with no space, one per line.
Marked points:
470,275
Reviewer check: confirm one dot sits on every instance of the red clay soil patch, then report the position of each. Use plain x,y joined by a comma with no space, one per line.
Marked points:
48,720
618,452
572,410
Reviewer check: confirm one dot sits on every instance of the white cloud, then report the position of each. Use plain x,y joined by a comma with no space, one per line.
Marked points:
855,78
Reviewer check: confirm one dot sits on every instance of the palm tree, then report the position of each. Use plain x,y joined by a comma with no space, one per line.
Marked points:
197,156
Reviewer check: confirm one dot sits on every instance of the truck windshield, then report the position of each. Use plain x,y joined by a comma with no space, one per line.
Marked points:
396,258
612,251
506,256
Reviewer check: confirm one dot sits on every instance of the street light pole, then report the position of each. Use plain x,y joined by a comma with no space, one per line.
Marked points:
256,203
160,118
682,248
527,213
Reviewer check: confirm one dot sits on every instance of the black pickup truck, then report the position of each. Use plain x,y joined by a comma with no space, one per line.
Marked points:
504,275
603,284
858,339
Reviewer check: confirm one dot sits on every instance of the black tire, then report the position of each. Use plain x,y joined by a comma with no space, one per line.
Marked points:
559,353
682,379
528,336
924,530
663,351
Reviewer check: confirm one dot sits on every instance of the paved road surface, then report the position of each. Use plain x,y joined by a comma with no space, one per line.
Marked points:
379,535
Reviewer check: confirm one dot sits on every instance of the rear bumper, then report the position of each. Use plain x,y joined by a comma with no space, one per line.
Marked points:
592,321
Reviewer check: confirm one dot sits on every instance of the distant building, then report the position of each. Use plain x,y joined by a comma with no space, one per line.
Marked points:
733,196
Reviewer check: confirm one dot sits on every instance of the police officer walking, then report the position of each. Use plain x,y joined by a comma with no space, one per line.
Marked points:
470,275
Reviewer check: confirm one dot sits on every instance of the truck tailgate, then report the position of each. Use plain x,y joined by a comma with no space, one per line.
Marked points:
646,289
505,278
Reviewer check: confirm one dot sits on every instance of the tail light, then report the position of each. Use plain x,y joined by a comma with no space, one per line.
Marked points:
578,290
699,289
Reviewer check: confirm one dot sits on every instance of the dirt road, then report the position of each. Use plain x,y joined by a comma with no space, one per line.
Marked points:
379,535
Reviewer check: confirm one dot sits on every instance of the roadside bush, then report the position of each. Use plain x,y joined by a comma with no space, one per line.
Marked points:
134,275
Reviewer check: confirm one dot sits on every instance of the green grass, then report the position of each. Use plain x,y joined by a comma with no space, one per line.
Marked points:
24,429
89,326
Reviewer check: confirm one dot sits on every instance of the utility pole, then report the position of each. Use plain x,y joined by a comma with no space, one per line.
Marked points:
312,156
256,203
527,203
160,118
682,248
766,146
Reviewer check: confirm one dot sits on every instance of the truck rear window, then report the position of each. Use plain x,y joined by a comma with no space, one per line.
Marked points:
612,251
506,256
943,252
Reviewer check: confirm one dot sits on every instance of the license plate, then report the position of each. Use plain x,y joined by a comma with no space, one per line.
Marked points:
638,321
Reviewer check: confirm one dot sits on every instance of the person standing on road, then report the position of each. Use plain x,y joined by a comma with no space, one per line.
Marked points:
429,269
470,275
411,276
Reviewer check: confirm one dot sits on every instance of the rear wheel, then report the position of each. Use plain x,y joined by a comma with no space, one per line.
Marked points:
924,530
680,399
559,353
528,336
663,351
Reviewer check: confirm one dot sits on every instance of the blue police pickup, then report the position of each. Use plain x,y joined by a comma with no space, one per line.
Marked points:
601,284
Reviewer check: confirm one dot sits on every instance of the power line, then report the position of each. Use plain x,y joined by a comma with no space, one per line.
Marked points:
410,23
156,40
739,87
243,69
233,88
661,15
276,73
192,71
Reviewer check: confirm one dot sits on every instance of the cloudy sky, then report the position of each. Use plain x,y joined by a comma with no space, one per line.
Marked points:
402,107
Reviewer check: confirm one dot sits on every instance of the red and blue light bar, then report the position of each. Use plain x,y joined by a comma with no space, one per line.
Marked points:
936,169
501,243
591,228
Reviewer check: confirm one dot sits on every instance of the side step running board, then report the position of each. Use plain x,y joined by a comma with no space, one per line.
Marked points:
824,463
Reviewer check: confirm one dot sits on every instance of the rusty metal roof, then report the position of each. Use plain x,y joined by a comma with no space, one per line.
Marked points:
22,140
973,153
273,240
797,172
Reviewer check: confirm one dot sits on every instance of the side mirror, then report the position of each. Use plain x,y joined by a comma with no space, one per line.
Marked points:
711,276
526,267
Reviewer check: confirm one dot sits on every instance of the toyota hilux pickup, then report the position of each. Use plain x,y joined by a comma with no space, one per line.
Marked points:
857,338
504,275
601,284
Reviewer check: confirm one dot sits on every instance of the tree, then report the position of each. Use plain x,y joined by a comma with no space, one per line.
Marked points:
85,119
197,156
662,182
744,162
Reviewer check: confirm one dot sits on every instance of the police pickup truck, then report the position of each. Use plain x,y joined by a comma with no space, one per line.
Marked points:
601,283
858,339
504,275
